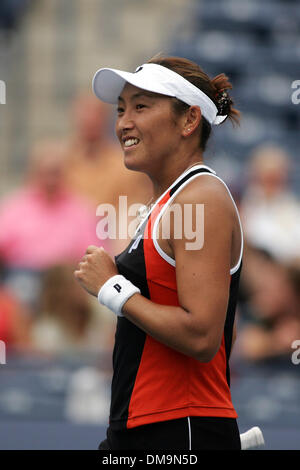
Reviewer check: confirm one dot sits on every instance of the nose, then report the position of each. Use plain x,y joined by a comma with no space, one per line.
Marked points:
124,123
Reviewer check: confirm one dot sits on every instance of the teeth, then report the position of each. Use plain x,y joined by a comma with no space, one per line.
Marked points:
130,142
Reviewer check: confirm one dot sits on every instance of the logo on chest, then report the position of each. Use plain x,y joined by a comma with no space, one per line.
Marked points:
135,244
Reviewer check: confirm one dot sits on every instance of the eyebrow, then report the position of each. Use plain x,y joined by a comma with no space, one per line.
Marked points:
147,94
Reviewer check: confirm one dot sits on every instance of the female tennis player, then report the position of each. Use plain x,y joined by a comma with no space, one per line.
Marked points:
174,294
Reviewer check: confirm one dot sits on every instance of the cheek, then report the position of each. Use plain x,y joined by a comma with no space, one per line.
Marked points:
117,130
164,129
168,137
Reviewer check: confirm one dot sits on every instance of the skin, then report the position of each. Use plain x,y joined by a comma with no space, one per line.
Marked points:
168,144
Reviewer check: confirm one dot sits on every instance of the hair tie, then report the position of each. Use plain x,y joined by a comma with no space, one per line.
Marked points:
224,102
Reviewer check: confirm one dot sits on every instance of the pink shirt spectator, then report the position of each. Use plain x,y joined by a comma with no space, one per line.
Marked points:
36,233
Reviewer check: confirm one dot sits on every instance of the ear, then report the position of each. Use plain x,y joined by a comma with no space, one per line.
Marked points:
192,120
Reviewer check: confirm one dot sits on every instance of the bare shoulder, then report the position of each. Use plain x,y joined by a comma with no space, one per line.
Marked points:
206,189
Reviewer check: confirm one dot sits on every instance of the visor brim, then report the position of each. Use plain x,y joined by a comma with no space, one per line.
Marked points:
109,83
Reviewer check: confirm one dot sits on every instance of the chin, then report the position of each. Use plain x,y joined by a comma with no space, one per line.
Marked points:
132,165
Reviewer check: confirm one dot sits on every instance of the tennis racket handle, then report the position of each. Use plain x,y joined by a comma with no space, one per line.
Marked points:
252,438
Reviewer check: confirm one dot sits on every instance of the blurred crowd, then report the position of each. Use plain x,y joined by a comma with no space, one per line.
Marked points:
47,224
11,12
269,305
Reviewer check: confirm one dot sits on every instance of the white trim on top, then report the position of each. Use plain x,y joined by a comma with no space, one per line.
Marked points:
164,255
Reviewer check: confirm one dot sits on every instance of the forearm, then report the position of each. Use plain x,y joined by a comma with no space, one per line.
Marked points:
170,325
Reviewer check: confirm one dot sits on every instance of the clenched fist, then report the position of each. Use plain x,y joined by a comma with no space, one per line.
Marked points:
95,268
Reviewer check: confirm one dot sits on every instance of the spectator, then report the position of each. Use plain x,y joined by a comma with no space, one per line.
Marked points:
272,320
43,223
68,320
96,167
270,211
14,321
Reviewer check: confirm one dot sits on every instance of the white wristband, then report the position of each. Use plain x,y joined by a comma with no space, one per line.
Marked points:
115,292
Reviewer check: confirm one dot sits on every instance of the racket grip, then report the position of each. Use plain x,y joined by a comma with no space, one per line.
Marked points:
252,438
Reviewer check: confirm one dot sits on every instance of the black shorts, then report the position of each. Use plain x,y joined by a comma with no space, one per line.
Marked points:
193,433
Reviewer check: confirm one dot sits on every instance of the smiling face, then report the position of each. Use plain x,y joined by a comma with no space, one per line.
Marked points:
147,129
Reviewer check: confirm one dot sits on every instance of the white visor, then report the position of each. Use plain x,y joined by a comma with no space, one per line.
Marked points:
109,83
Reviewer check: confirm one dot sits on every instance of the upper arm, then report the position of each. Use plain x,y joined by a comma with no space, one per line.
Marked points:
203,274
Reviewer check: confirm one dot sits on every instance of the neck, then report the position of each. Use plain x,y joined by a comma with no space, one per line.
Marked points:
168,174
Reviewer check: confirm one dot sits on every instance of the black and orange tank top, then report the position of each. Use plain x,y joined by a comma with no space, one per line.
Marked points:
152,382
